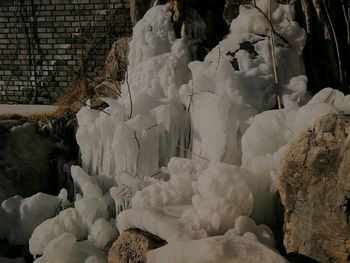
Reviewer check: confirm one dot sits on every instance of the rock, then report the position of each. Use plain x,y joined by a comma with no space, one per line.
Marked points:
25,161
133,245
231,9
116,61
314,186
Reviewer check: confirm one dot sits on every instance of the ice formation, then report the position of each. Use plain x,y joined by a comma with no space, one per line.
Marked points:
220,109
148,124
236,79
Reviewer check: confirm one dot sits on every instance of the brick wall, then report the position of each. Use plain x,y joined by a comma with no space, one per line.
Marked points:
42,43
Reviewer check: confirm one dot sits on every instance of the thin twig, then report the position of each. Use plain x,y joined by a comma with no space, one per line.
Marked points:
341,80
217,66
153,126
347,22
129,91
139,148
329,96
272,32
125,187
273,55
186,150
155,174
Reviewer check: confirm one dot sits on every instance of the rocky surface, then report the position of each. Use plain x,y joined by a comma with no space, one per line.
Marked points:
315,191
132,246
34,151
24,161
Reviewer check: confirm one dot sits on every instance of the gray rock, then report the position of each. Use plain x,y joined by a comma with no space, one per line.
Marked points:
314,186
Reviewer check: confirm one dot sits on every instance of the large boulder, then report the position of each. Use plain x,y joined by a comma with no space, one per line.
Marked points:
314,187
133,246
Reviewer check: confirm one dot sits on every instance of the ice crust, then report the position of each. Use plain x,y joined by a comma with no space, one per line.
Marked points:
220,109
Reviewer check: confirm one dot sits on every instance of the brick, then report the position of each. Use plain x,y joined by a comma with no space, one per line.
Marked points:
45,13
45,35
4,41
60,29
63,46
69,7
60,18
60,2
4,30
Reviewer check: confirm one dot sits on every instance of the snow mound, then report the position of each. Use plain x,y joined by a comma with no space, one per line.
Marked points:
199,200
225,249
65,248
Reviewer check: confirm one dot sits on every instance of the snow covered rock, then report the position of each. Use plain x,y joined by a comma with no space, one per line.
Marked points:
20,216
67,221
89,215
314,185
133,246
228,249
